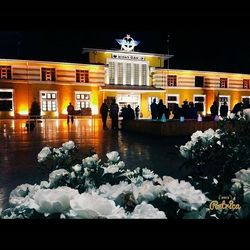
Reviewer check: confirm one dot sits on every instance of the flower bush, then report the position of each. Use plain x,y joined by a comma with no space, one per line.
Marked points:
89,189
218,164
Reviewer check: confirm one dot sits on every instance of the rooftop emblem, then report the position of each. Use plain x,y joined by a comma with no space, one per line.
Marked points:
127,43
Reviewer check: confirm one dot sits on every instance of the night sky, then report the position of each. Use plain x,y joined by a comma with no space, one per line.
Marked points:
211,50
204,35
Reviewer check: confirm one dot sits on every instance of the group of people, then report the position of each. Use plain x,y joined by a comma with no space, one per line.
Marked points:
188,110
238,107
127,113
157,110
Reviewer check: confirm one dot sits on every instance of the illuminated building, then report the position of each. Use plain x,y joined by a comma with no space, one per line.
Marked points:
128,76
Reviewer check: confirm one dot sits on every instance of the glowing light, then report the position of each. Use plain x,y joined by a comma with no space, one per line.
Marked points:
64,112
23,112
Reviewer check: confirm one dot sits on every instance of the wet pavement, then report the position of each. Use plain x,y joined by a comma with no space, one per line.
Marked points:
19,149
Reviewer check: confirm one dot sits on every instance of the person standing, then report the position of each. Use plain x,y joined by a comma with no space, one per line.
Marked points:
154,109
137,112
70,110
113,112
35,110
224,110
104,113
214,109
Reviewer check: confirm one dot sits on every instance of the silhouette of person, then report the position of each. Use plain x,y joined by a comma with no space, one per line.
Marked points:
104,113
214,109
70,110
224,110
176,111
154,109
35,109
161,109
192,112
113,112
137,112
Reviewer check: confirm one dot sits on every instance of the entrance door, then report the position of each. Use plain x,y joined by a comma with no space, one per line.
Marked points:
222,99
125,99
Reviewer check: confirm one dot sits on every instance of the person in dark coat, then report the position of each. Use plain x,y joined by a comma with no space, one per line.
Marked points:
154,109
192,112
71,112
185,109
214,109
137,112
35,110
104,113
161,109
176,111
130,113
237,108
224,110
113,112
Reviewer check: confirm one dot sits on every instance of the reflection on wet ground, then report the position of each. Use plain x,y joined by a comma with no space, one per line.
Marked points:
19,149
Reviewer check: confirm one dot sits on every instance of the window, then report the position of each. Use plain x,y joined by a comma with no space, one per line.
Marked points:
136,74
82,100
48,74
120,73
5,72
6,100
128,73
199,81
223,82
172,80
82,76
150,101
144,73
245,100
111,72
200,103
171,101
49,101
222,99
245,84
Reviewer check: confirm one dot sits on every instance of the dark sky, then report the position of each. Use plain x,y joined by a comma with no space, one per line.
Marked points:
227,51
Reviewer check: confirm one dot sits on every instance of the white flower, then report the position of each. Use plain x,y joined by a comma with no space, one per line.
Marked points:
147,211
73,175
147,191
121,164
112,192
111,169
215,181
44,153
23,194
57,175
148,174
209,134
77,168
219,143
57,200
90,162
44,184
246,113
68,145
196,136
184,194
93,206
113,156
136,180
232,116
243,177
57,151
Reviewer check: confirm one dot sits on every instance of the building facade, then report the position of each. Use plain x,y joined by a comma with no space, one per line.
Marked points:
130,77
